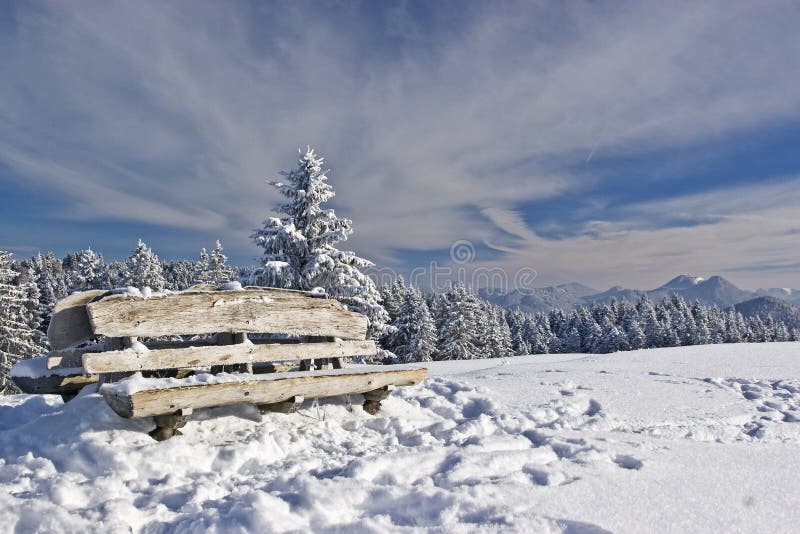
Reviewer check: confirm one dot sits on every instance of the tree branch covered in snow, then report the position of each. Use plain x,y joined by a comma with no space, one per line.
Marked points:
299,249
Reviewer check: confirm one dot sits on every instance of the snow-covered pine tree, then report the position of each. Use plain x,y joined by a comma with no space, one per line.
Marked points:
26,281
300,248
455,338
682,321
782,332
769,327
758,331
85,270
18,336
516,319
498,339
612,339
591,333
520,345
392,297
636,337
572,342
702,334
546,341
218,270
143,269
668,336
732,332
51,281
716,324
202,268
179,275
458,325
414,336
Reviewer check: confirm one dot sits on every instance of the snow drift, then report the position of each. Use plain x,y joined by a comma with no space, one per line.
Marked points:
675,440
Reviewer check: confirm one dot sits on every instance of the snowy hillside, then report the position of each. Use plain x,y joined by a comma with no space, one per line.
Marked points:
690,439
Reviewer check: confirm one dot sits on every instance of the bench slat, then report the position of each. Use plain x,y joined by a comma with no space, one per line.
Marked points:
203,312
70,325
32,376
256,390
127,360
54,385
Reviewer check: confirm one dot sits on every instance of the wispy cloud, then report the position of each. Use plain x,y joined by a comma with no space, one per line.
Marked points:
633,253
175,113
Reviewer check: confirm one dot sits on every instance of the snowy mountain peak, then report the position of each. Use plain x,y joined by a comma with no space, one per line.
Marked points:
684,281
578,289
771,291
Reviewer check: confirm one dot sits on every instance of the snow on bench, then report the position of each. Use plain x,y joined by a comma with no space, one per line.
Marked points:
163,355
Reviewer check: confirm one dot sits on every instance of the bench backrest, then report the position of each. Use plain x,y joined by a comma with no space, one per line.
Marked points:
82,316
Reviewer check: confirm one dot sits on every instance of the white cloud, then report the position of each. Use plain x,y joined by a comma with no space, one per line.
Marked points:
750,231
176,113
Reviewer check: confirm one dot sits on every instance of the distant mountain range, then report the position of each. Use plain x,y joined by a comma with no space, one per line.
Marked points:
715,290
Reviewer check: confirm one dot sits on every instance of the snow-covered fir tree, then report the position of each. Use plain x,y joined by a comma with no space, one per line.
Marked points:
85,270
202,268
631,327
498,335
392,296
143,269
458,322
218,271
702,334
300,247
49,277
179,275
414,336
19,338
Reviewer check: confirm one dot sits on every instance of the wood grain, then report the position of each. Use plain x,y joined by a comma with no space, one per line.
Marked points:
311,385
69,358
53,385
203,312
126,360
70,324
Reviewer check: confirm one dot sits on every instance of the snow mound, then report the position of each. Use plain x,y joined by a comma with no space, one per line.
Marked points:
232,286
630,442
436,456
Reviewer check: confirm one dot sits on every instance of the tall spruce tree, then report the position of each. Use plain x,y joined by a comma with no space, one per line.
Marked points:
51,281
218,271
300,247
85,270
144,269
18,336
202,267
414,336
179,275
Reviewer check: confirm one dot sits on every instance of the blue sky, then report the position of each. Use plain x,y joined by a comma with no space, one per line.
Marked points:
603,142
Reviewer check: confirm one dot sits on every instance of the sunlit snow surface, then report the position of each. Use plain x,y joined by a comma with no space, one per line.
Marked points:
692,439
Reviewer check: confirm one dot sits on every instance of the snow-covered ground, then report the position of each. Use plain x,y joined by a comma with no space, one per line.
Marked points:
690,439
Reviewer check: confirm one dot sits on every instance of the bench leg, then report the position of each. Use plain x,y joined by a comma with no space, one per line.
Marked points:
372,399
168,425
288,406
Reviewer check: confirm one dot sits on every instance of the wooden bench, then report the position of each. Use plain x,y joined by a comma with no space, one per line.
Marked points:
169,354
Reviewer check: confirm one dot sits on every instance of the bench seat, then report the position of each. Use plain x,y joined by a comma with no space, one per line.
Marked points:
144,397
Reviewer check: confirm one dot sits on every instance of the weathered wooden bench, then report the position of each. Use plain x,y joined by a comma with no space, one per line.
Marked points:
167,355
